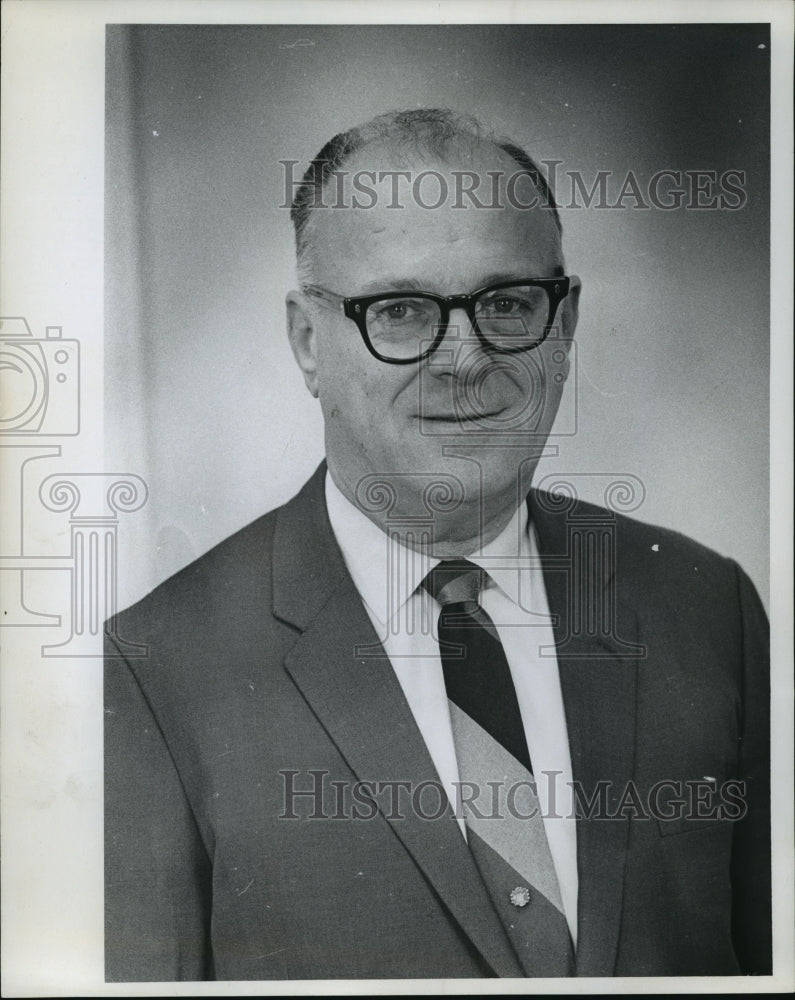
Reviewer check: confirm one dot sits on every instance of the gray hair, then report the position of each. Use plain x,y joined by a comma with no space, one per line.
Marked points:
430,129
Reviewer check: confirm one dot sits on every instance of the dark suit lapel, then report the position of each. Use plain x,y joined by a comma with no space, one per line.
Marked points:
595,633
359,702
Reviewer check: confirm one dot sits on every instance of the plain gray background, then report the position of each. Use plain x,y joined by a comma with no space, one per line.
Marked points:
202,396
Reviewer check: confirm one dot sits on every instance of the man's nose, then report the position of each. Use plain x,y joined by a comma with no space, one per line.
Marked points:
460,342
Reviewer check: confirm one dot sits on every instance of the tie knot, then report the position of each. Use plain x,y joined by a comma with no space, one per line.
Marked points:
455,581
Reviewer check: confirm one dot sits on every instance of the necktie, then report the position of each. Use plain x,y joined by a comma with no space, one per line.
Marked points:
505,830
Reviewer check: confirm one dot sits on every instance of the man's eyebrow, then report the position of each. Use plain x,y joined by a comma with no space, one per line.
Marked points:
391,283
498,276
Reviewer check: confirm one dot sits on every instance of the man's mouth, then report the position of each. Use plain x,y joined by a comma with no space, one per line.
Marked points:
459,417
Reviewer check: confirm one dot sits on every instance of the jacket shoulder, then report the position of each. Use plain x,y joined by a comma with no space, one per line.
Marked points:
631,529
226,573
648,553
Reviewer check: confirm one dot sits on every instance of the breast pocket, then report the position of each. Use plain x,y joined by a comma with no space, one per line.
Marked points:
691,805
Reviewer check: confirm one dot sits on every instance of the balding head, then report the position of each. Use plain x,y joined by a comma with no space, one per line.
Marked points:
361,164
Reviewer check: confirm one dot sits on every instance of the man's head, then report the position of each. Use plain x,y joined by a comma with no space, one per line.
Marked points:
425,202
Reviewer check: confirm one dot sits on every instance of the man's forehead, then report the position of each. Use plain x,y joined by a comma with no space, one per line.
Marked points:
471,198
464,170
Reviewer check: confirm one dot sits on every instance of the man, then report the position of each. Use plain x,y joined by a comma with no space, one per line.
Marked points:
423,721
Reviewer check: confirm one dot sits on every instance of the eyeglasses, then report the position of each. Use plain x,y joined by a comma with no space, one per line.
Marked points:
402,328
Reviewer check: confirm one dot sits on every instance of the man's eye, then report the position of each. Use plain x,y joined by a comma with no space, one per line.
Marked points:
397,311
503,305
514,304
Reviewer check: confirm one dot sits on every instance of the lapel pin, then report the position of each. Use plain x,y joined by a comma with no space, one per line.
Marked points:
520,896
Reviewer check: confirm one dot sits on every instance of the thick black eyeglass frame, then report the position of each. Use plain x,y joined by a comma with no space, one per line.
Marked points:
355,308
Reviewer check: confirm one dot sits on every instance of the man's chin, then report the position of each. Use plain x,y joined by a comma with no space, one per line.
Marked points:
469,465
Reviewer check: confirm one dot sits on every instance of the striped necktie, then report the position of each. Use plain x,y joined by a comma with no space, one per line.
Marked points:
504,827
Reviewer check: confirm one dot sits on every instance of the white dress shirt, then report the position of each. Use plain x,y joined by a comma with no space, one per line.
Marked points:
388,576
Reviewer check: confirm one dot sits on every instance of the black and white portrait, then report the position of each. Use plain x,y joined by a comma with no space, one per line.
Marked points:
437,646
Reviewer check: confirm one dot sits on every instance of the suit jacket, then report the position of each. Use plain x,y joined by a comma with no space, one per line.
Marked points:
264,678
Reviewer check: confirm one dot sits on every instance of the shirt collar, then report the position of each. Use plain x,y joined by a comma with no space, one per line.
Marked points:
386,573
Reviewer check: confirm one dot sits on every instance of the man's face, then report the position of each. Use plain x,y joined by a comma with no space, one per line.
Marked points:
464,411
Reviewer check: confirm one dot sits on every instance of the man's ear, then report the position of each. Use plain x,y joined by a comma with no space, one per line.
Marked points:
303,338
570,309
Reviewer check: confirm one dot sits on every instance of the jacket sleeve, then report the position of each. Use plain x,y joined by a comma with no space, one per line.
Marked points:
157,873
751,853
